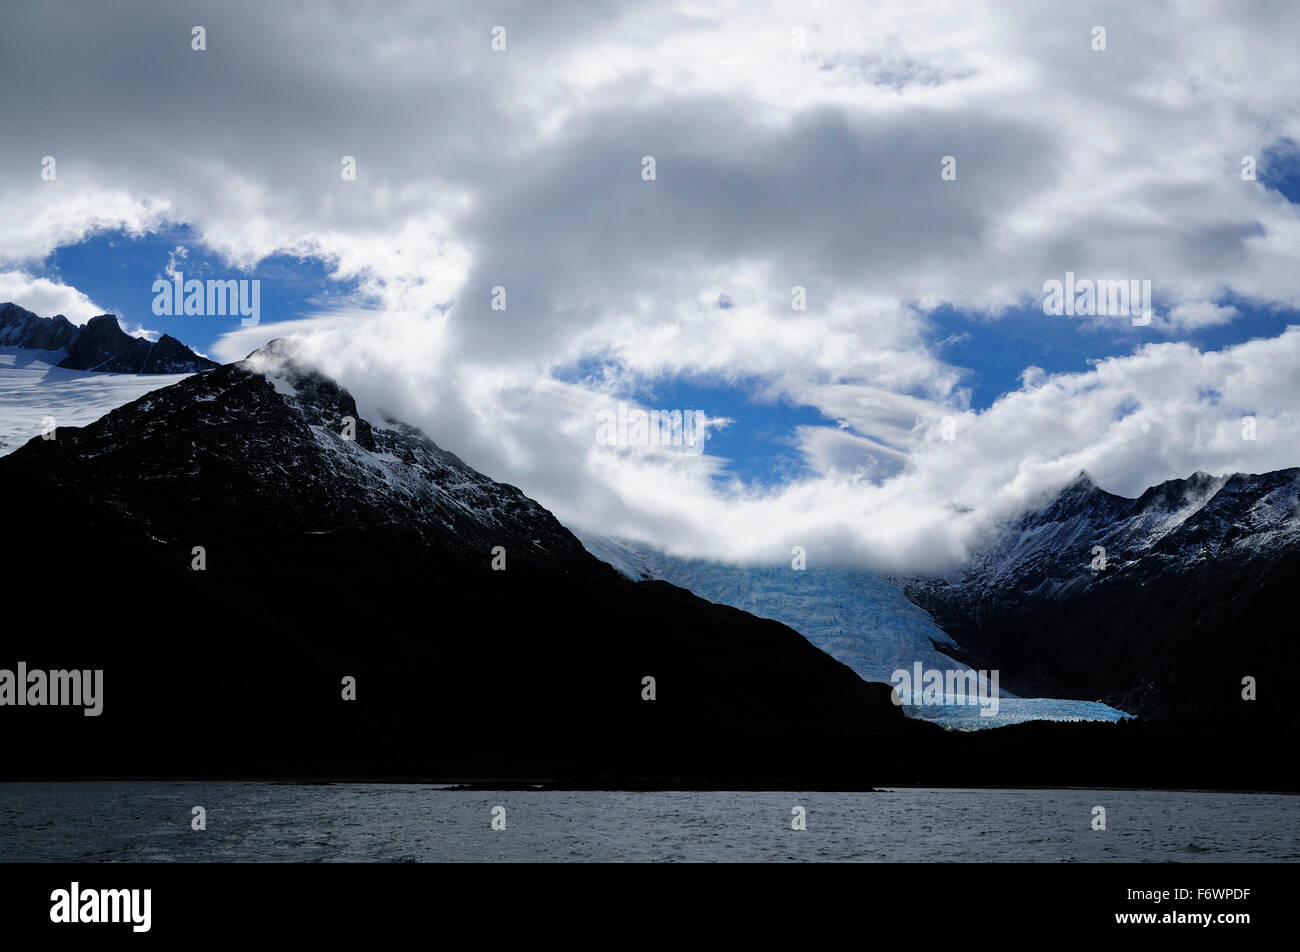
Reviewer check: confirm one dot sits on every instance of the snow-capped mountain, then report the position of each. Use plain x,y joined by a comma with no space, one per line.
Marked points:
54,373
269,594
1161,604
100,345
857,617
255,541
298,436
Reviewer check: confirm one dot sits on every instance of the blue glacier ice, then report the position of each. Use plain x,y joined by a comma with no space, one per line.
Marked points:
859,618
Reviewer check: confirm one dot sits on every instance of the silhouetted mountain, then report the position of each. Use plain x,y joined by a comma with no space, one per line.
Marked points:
854,615
21,328
370,557
329,557
100,345
1193,597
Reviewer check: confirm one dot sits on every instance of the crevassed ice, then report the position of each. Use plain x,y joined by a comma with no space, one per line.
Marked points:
860,619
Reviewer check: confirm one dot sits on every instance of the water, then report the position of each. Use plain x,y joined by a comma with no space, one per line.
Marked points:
150,821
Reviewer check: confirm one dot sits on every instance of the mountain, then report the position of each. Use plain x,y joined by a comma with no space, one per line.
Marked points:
34,392
857,617
100,345
333,565
370,557
21,328
1197,582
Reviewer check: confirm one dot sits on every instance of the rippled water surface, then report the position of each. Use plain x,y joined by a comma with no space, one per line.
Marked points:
150,821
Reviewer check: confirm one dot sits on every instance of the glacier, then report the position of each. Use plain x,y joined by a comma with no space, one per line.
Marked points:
33,388
861,619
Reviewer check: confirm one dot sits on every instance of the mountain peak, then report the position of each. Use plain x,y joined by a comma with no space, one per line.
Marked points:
1083,480
100,345
1109,578
323,542
19,327
1074,494
11,311
281,348
285,359
309,460
321,399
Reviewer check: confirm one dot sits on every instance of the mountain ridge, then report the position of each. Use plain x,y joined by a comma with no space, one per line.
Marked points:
1157,604
324,556
862,619
100,345
237,667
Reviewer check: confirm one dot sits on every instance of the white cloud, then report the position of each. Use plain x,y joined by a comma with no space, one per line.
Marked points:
1194,314
1133,421
776,166
47,298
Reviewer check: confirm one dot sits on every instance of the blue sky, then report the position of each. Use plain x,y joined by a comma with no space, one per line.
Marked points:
117,270
996,351
794,146
1279,168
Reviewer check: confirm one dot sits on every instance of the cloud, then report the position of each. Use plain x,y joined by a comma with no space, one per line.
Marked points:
522,167
1193,314
1163,412
46,297
795,145
181,252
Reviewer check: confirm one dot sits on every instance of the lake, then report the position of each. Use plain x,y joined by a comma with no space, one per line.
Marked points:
151,822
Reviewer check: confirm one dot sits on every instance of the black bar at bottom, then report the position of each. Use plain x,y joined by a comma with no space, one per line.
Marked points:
894,902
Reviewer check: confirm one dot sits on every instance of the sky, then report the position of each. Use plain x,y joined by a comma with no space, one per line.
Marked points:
920,398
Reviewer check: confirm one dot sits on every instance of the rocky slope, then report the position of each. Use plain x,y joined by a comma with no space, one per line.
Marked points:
856,617
1193,595
328,558
100,345
370,557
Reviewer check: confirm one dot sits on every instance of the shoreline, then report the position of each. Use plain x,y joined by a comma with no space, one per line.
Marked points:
464,785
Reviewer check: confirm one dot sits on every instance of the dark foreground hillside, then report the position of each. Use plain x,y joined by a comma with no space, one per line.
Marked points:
369,557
